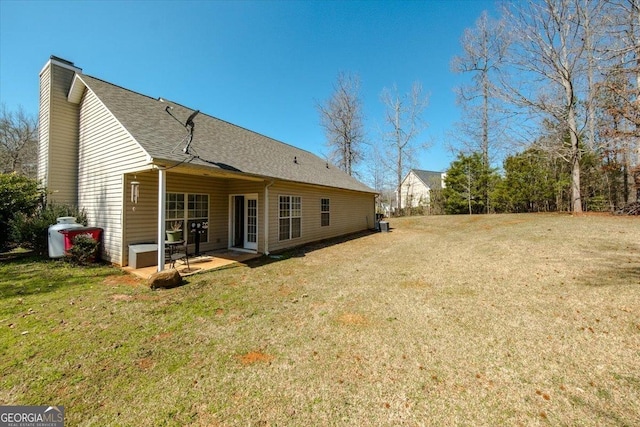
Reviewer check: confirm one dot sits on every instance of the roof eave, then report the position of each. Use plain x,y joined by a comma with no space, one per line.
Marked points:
76,90
168,164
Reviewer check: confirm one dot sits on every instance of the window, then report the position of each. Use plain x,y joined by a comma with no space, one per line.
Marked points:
198,215
325,219
175,206
174,212
195,211
290,217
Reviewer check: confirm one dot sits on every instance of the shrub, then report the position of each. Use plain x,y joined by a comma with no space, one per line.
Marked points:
597,203
84,249
31,231
19,195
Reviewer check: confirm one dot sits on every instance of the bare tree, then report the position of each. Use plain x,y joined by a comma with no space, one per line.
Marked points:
342,119
377,170
622,83
625,31
614,133
484,49
594,23
403,119
18,142
548,56
378,177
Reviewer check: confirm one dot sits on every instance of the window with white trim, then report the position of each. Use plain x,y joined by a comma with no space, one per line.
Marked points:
325,213
198,213
196,210
174,212
289,217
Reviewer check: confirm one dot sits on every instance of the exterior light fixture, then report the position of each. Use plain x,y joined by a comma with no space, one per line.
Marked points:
135,191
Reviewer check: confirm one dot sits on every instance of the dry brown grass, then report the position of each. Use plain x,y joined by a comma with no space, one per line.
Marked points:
484,320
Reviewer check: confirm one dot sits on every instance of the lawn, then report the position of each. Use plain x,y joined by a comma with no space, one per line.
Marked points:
447,320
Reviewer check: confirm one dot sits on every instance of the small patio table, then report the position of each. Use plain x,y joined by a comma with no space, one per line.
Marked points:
171,246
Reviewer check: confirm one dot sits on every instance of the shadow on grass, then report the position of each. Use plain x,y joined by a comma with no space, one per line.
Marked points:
615,275
617,264
599,411
30,276
302,250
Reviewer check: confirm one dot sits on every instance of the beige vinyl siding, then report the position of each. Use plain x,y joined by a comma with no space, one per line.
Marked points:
62,164
350,212
247,187
141,219
43,125
106,151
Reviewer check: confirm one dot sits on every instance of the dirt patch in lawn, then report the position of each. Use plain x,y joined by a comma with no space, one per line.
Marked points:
125,279
254,357
145,363
284,290
162,336
121,297
353,319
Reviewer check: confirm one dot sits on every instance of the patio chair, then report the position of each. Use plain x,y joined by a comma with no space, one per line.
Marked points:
180,253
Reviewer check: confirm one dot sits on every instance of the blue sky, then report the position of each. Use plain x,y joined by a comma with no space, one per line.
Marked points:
262,65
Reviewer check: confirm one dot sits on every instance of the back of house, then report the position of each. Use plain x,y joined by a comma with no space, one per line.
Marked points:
140,166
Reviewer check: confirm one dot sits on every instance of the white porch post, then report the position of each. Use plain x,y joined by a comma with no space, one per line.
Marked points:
162,197
266,217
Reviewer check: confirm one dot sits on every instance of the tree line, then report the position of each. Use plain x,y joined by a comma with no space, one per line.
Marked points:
551,112
551,115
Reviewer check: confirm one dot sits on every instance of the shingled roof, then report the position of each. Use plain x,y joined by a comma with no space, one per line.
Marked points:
429,178
216,144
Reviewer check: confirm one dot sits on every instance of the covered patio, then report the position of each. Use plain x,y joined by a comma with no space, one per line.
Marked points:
207,261
219,216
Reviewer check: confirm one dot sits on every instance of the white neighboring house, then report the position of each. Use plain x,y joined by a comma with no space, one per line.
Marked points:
417,185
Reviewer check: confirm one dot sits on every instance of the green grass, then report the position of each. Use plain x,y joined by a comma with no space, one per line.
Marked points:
484,320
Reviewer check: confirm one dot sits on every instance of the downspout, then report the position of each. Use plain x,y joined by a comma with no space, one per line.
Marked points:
266,217
376,203
162,186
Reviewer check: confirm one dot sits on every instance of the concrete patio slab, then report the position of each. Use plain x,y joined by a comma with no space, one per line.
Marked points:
201,263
